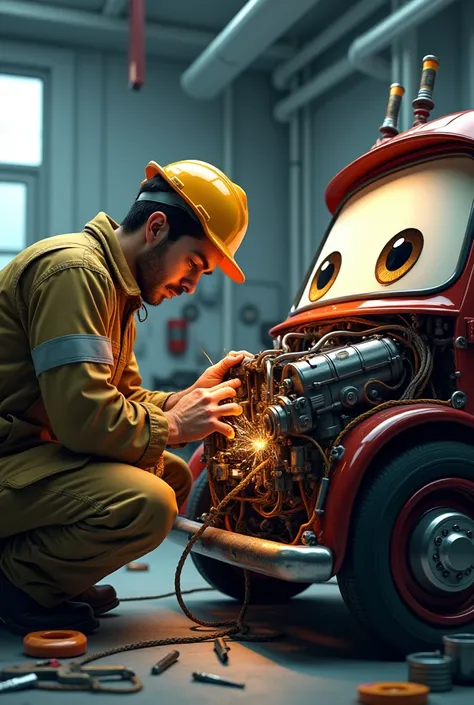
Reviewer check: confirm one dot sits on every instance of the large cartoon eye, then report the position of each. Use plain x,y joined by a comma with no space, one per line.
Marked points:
398,256
325,276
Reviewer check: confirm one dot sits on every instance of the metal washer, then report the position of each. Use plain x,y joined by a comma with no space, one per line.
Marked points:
432,669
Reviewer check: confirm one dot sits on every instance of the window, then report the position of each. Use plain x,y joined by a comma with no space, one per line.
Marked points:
21,158
21,120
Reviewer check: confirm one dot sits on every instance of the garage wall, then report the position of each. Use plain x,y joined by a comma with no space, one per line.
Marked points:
101,135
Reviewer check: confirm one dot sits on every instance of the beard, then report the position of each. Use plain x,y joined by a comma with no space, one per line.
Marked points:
151,273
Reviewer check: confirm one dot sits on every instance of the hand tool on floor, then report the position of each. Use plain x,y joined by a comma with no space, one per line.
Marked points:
212,678
165,663
221,649
71,676
20,683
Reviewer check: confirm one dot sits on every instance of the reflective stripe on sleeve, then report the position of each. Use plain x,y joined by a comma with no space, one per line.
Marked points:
72,348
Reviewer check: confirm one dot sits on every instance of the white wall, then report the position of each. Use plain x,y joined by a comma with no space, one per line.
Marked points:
102,136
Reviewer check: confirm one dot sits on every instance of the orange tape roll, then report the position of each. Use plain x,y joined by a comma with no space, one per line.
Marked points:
393,694
55,644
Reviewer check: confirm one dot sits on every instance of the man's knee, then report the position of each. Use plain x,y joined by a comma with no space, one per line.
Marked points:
138,505
161,509
178,475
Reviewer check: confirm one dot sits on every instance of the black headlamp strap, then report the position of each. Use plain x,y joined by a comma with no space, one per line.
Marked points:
168,198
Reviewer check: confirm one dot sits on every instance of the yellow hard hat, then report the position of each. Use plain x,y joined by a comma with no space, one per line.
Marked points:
219,204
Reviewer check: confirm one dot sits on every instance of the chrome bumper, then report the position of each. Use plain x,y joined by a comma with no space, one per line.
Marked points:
306,564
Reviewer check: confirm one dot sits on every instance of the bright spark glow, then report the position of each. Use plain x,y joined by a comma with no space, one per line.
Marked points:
251,441
260,444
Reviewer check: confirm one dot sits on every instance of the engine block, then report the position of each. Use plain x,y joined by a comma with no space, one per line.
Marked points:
316,391
291,402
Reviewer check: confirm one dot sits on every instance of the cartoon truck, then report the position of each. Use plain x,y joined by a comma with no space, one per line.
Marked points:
358,427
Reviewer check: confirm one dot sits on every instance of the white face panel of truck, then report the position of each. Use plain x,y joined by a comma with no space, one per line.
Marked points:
402,233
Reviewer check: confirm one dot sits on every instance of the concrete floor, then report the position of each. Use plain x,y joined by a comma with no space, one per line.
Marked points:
321,660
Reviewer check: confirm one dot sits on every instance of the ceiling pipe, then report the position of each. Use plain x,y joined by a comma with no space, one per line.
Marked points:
114,8
253,30
317,46
93,21
382,35
363,51
314,88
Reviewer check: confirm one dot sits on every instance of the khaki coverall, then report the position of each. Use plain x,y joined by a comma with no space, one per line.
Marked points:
82,445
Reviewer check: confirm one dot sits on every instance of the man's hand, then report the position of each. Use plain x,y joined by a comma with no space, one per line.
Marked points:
215,374
198,413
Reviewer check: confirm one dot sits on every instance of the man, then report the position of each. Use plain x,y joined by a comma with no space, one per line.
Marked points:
86,484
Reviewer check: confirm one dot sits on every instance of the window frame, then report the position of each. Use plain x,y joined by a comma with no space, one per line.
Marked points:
30,179
25,72
56,188
33,176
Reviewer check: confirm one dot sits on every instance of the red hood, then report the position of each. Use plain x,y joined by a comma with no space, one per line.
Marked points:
449,132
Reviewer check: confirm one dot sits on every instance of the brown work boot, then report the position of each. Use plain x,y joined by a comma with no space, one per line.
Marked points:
101,598
21,614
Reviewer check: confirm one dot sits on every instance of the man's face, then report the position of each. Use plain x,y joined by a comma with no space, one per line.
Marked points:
168,268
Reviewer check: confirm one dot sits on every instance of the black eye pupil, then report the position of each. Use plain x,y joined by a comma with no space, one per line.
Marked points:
399,254
327,270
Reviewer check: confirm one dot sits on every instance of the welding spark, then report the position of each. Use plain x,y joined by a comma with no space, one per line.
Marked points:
252,442
207,356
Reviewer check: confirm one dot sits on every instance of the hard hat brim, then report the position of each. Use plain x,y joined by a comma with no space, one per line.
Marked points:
228,264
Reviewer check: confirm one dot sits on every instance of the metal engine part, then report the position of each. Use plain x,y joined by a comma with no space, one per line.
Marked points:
442,551
317,390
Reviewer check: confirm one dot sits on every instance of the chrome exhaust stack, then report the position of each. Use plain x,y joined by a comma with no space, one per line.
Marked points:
305,564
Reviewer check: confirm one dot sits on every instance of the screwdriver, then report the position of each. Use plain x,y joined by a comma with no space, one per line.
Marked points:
211,678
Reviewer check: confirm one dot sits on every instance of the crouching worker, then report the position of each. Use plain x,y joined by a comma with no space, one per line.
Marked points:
86,484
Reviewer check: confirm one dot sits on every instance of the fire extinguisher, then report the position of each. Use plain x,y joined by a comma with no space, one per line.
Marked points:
177,335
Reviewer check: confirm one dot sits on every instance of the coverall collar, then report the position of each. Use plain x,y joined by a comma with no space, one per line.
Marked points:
103,227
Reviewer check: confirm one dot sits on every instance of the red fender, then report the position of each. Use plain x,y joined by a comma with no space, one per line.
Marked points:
196,466
361,446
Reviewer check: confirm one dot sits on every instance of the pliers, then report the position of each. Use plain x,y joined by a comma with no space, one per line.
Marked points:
69,676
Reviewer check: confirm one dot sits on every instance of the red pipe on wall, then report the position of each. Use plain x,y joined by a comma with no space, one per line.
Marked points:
136,54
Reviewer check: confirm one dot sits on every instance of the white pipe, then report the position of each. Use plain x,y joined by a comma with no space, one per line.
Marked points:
312,89
350,19
363,51
345,67
308,157
253,29
114,8
93,22
294,203
228,168
405,70
410,77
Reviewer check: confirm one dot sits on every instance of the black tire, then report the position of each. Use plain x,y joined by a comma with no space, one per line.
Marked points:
227,578
366,580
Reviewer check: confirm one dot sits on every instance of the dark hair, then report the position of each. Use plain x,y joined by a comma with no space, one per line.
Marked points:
180,222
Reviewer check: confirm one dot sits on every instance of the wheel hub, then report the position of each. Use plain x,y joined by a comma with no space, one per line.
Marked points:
442,551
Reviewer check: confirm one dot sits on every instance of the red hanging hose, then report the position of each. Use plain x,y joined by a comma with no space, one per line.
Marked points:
136,57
